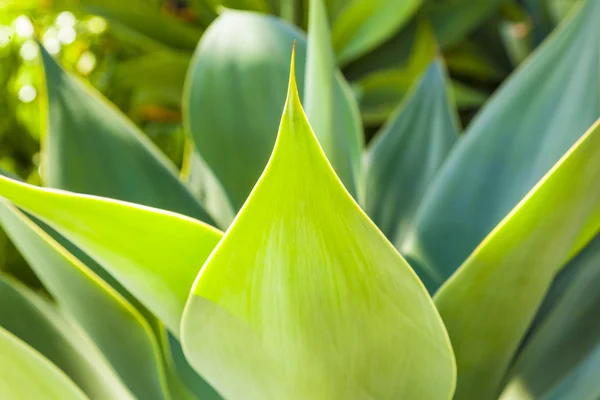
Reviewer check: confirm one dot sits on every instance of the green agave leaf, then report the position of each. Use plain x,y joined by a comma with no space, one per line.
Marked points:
382,91
466,96
25,374
453,19
581,384
262,6
246,76
203,183
144,19
319,98
517,137
35,321
304,298
490,301
92,148
568,333
363,25
133,243
100,310
407,152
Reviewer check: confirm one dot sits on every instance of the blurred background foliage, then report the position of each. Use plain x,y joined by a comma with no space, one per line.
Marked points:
136,52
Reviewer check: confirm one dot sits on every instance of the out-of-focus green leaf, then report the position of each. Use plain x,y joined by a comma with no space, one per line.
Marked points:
36,322
261,6
407,152
518,136
362,25
382,91
161,70
304,298
467,59
453,19
569,332
319,99
581,384
488,304
92,148
235,91
136,244
100,310
466,96
25,374
141,17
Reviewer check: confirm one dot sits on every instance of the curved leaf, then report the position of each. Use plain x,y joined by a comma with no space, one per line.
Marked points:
407,152
568,333
581,384
25,374
492,298
147,250
103,313
37,323
362,25
517,137
235,89
92,148
304,298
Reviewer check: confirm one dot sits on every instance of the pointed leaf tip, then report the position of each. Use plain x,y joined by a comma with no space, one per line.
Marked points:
319,298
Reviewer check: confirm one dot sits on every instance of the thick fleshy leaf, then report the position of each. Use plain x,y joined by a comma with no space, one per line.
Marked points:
100,310
136,244
490,301
581,384
25,374
235,90
36,322
92,148
203,183
568,333
362,25
518,136
304,298
407,152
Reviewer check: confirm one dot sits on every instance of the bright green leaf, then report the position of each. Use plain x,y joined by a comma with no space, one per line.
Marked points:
92,148
517,137
362,25
36,322
490,301
304,298
236,86
147,250
100,310
407,152
568,333
25,374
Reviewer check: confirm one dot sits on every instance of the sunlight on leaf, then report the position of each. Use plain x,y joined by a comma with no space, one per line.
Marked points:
305,299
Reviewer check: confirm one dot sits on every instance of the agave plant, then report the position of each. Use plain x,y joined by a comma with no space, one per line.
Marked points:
256,274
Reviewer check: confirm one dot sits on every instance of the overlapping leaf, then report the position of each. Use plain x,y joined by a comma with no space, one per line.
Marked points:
91,148
362,25
521,132
25,374
490,301
236,86
407,152
136,244
36,322
97,307
567,335
305,299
